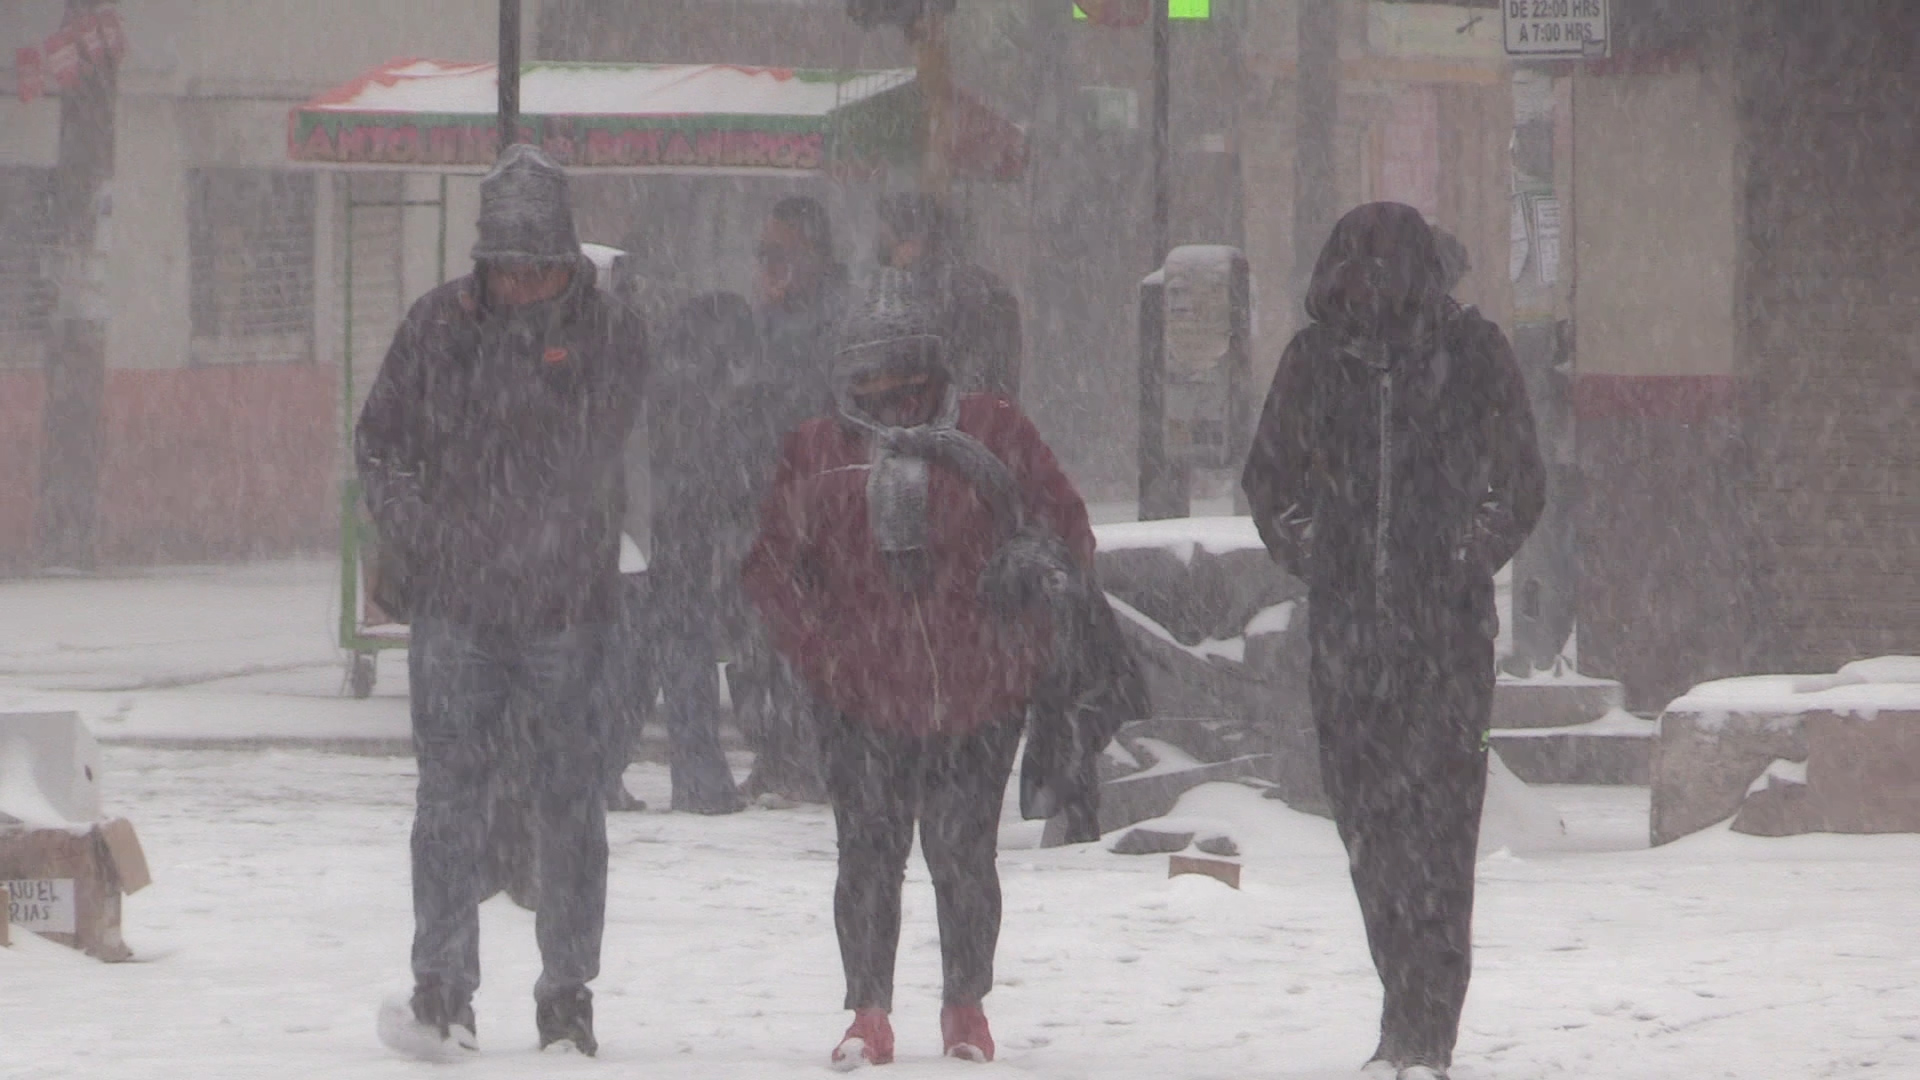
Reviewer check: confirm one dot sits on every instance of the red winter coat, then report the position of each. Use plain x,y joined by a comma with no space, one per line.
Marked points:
933,662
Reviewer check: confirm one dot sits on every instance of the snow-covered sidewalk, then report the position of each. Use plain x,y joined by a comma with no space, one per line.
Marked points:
280,914
195,655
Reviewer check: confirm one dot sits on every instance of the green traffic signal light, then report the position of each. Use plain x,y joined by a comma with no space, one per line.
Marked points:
1176,9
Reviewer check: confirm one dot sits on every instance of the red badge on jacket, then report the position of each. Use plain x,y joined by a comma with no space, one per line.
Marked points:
554,354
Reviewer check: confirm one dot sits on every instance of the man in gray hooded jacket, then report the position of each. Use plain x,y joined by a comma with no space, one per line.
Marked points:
490,451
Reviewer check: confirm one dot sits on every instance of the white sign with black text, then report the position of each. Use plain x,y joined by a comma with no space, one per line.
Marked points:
43,905
1556,27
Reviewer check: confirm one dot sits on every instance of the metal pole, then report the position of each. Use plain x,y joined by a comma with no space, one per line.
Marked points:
1231,32
349,477
1545,569
440,266
934,73
1163,484
1162,93
76,365
509,72
1317,94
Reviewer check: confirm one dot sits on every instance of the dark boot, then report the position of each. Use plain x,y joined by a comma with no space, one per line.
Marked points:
622,801
567,1017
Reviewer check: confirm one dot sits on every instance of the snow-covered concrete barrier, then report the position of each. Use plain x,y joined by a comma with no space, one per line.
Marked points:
1221,634
49,769
1561,727
1786,754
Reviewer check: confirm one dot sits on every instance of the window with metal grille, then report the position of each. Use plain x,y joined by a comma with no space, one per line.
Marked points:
26,241
250,235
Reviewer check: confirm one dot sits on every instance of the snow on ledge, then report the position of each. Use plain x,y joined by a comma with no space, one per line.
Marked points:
1616,723
1182,536
1277,619
1550,677
1863,689
1234,649
1780,772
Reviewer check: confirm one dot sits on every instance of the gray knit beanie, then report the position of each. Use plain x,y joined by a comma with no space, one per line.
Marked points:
893,330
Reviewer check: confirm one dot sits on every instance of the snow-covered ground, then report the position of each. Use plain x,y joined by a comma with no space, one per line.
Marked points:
193,653
279,914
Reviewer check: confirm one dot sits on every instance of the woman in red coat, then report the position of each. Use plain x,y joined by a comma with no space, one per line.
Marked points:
867,570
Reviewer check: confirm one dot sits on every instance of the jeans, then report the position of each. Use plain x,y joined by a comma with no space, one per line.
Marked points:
542,754
880,785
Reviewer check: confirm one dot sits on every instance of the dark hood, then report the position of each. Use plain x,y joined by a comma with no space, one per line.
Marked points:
1380,249
526,212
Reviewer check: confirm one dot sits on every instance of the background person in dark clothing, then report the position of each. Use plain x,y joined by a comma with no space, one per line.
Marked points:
979,316
800,295
624,692
868,569
490,450
1395,470
703,509
1454,260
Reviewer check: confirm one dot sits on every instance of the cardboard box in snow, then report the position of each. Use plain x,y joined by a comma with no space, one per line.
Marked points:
65,868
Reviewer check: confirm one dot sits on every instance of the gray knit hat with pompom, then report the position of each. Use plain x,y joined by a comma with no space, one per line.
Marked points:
894,330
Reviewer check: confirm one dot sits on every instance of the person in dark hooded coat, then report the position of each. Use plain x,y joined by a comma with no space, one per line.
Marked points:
800,297
1395,469
490,449
703,517
869,569
979,316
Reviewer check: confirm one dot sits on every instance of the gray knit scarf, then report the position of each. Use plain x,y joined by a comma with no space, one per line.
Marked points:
898,475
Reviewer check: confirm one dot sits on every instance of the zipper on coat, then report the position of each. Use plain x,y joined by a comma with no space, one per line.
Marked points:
1383,494
933,665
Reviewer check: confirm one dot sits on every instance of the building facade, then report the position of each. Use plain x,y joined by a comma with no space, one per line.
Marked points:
1747,324
221,416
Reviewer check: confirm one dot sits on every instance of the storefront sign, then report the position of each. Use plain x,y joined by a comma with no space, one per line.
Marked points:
93,41
1548,28
30,81
613,142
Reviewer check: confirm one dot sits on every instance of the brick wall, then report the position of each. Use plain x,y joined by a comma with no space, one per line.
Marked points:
1831,326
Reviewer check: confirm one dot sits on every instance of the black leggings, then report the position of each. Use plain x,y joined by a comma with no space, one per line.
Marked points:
880,784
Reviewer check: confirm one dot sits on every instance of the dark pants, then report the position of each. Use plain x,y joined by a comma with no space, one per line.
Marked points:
953,786
546,750
664,644
776,718
1403,757
624,693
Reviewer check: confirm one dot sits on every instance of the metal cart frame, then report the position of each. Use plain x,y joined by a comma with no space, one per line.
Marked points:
364,643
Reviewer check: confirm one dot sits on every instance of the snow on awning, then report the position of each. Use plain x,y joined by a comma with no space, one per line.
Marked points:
644,117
